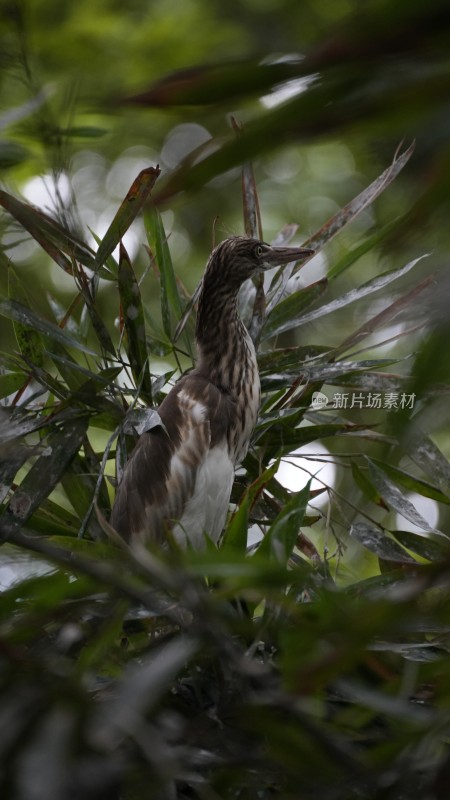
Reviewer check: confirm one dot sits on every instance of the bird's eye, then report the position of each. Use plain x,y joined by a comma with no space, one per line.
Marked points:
259,250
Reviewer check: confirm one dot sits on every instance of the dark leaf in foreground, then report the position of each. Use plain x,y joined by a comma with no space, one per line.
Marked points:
61,446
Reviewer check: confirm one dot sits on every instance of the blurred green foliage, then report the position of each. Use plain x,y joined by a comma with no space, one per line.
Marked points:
312,663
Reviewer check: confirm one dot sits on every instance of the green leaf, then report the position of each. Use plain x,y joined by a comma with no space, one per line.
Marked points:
134,321
394,497
290,359
85,132
367,488
13,457
366,289
379,543
280,539
251,210
368,244
81,379
235,536
97,551
12,153
386,315
43,592
170,299
427,546
88,293
136,196
79,483
51,519
287,438
349,212
61,446
427,455
51,236
31,319
284,316
213,83
304,114
10,382
329,373
29,340
412,483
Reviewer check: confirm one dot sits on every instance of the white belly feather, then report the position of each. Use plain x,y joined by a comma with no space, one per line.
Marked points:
206,511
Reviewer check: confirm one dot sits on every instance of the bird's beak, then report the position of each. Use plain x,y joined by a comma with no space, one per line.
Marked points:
279,256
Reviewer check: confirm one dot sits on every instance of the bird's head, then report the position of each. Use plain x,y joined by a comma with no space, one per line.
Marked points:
238,258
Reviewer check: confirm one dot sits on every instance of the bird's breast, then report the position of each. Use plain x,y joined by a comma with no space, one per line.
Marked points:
247,394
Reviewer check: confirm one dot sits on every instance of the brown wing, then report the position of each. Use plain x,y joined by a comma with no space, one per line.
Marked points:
160,476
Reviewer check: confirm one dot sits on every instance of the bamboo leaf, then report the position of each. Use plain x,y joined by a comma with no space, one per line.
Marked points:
372,286
79,377
281,277
12,153
236,533
43,592
79,484
135,198
284,316
329,373
367,488
10,382
12,459
426,454
379,543
303,115
411,482
395,498
98,325
376,382
53,520
170,299
289,359
213,83
51,236
385,316
427,547
61,446
235,536
251,210
287,438
281,537
31,319
29,340
134,321
360,250
349,212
